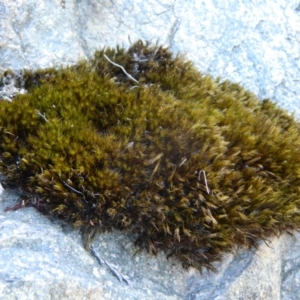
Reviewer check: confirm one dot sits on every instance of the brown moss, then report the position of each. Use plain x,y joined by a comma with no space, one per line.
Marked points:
191,165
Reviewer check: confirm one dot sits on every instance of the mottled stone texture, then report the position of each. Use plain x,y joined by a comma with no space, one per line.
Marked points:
256,43
42,259
252,42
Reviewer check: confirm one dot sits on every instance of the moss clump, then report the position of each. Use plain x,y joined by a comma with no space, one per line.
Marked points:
191,165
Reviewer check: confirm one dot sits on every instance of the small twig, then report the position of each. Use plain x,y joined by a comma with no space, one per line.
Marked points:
133,87
9,133
115,272
182,162
41,115
73,189
204,175
121,68
94,253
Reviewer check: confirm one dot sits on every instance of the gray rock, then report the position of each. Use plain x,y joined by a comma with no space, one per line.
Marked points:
9,86
256,44
44,259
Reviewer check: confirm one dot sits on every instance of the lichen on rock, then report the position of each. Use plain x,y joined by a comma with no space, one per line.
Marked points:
191,165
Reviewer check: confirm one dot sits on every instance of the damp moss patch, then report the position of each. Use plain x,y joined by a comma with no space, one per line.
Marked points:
191,165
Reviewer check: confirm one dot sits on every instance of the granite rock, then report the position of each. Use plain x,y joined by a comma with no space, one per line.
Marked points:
42,258
254,43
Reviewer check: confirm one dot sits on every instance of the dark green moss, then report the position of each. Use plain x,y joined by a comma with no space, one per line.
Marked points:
191,165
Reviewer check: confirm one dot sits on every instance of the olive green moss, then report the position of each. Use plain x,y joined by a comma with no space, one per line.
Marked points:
190,165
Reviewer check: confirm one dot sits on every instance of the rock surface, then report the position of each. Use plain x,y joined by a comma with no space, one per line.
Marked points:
42,259
256,44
